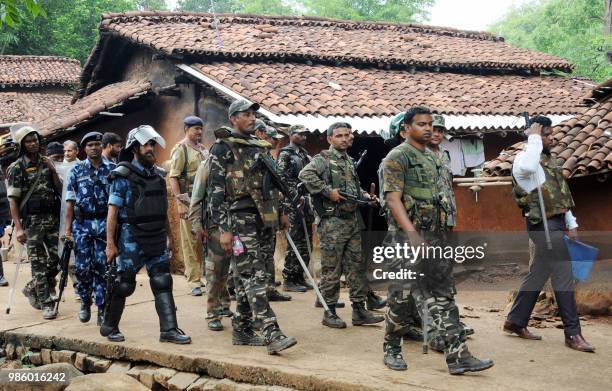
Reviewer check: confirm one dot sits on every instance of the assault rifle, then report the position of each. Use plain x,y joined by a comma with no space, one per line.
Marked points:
63,264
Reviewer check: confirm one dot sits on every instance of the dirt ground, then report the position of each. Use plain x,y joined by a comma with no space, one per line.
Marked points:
327,359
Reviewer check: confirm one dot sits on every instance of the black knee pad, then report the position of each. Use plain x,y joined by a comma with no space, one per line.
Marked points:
160,278
125,284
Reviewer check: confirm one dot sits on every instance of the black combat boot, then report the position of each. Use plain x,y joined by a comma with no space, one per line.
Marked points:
243,334
168,326
85,312
361,316
275,295
276,341
414,333
339,303
393,358
30,293
110,323
468,363
215,325
331,319
302,281
467,330
48,310
291,285
375,302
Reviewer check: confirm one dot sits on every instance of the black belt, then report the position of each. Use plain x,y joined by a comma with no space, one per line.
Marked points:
94,215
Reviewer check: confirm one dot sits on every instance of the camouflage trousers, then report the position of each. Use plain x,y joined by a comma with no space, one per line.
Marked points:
341,253
91,264
292,267
266,249
43,235
250,274
216,267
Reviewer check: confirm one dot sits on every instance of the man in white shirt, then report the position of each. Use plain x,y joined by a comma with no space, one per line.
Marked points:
533,167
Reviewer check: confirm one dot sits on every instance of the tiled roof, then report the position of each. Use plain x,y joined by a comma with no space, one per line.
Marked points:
322,40
25,107
30,71
584,144
326,90
90,106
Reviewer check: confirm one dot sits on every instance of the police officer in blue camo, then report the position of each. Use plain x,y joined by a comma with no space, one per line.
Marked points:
138,209
86,210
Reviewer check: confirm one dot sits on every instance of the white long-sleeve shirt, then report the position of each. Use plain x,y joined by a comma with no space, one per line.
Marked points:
529,173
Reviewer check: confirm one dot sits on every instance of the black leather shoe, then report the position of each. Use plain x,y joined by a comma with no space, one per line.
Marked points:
215,325
3,281
85,313
226,312
176,336
277,296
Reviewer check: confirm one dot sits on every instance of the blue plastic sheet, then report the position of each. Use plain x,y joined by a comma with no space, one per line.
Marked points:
583,256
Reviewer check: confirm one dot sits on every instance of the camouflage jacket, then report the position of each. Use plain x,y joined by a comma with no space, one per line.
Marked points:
22,174
237,182
445,184
414,174
555,192
333,170
291,160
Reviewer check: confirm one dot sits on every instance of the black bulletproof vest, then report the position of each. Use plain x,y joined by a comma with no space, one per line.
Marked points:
148,208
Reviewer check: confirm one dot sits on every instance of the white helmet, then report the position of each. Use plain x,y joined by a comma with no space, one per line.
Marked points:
143,134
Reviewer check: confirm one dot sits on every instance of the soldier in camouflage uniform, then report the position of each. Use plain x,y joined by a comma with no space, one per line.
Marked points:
217,262
533,167
33,192
291,159
268,245
86,211
411,197
448,208
340,226
138,215
243,204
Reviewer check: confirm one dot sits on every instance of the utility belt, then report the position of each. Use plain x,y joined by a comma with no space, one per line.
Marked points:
341,214
81,216
38,207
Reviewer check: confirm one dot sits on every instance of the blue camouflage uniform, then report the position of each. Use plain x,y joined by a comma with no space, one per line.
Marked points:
88,188
131,257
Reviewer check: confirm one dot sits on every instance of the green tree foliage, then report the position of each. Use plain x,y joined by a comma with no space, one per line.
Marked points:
70,28
12,11
374,10
570,29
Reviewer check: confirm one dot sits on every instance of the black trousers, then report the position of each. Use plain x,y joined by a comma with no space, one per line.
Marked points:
554,264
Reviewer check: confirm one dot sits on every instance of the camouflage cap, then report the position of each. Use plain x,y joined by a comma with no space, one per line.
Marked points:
241,105
271,132
438,121
295,129
260,125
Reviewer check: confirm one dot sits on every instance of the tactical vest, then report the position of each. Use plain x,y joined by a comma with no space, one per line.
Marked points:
555,192
420,195
43,199
147,211
340,209
246,186
294,159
